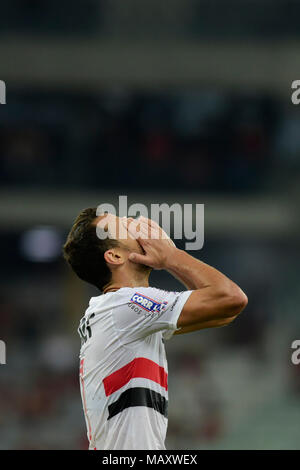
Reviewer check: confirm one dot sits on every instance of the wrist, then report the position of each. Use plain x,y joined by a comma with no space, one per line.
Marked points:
172,258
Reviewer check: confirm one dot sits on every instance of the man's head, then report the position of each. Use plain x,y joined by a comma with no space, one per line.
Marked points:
96,260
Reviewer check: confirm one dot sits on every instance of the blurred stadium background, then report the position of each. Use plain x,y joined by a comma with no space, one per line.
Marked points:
164,102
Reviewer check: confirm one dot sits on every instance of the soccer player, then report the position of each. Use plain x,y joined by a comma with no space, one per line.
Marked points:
123,366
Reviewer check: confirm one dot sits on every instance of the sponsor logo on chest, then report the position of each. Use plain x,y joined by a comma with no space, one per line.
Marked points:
147,303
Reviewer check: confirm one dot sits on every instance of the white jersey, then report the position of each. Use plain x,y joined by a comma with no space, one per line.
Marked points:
123,367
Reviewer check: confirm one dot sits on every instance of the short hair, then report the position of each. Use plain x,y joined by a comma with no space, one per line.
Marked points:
84,250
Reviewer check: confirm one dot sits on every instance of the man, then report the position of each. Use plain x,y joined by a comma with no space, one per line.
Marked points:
123,367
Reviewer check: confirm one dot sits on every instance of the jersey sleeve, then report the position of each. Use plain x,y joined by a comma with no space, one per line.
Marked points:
147,310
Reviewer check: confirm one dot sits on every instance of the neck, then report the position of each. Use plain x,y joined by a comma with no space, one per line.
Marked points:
139,280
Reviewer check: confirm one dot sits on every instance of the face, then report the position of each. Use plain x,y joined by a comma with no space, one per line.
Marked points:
117,228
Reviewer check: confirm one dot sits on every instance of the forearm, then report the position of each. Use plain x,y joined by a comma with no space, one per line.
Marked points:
205,325
195,274
213,296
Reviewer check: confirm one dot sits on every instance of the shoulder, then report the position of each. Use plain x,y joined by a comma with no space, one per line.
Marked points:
152,291
141,294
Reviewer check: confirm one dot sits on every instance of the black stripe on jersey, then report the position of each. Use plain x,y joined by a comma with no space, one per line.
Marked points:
139,396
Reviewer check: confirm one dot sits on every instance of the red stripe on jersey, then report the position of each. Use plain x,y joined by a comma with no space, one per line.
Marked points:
138,368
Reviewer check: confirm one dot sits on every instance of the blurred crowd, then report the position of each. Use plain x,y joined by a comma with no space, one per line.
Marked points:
197,140
196,19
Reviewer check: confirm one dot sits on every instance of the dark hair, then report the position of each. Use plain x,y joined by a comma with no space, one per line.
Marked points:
84,251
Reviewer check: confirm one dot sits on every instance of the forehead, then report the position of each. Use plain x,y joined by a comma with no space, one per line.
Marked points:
105,219
112,224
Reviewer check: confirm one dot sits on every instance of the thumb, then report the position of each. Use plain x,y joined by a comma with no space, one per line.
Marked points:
137,258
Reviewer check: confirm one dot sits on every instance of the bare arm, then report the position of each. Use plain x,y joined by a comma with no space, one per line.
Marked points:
215,300
205,325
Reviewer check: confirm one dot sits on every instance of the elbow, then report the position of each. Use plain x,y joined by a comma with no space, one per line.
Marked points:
226,321
235,302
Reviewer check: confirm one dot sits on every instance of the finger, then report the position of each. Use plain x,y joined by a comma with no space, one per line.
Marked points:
145,232
155,227
151,231
137,258
148,230
150,222
154,230
144,219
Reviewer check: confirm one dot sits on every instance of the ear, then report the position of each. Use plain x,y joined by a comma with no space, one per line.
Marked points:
114,256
